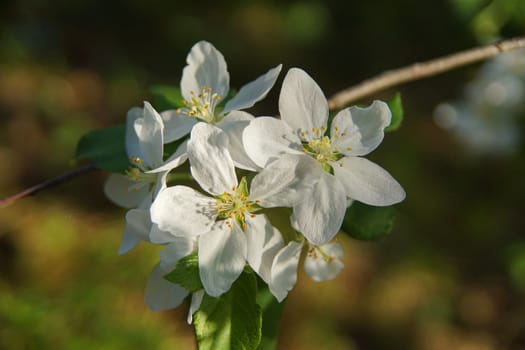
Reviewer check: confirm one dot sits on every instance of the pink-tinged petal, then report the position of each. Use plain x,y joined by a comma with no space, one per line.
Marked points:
182,211
320,215
120,190
210,162
302,104
150,132
206,68
284,270
367,182
358,131
254,91
176,125
132,140
222,257
196,301
233,125
161,294
176,250
137,228
326,265
284,182
265,139
264,242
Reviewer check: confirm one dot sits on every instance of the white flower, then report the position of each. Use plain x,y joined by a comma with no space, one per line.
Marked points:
205,83
147,174
335,170
323,262
145,149
228,231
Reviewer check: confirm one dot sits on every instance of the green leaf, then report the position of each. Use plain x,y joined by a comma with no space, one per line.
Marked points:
105,148
272,311
396,107
186,273
365,222
515,258
233,321
166,97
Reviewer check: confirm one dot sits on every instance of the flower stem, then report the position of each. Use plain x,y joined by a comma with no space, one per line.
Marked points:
46,184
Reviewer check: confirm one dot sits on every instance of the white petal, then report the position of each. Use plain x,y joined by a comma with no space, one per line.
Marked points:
175,160
206,68
158,236
233,125
266,139
320,215
361,130
284,182
176,125
222,253
118,189
210,162
254,91
367,182
138,225
132,141
324,267
150,131
182,211
302,104
161,294
264,241
196,301
160,185
284,270
176,250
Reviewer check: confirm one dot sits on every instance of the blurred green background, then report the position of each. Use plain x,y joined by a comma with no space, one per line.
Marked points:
450,276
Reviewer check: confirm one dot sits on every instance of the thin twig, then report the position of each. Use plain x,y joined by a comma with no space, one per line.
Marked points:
47,184
421,70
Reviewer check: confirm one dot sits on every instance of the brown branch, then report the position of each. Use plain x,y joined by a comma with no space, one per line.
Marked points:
46,184
421,70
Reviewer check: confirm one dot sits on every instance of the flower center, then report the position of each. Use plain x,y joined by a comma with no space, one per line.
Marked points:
137,174
321,150
316,252
236,205
201,105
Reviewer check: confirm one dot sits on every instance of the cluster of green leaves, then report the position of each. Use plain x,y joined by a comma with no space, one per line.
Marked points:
247,316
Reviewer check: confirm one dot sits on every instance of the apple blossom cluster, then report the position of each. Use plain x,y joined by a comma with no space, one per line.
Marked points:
244,165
